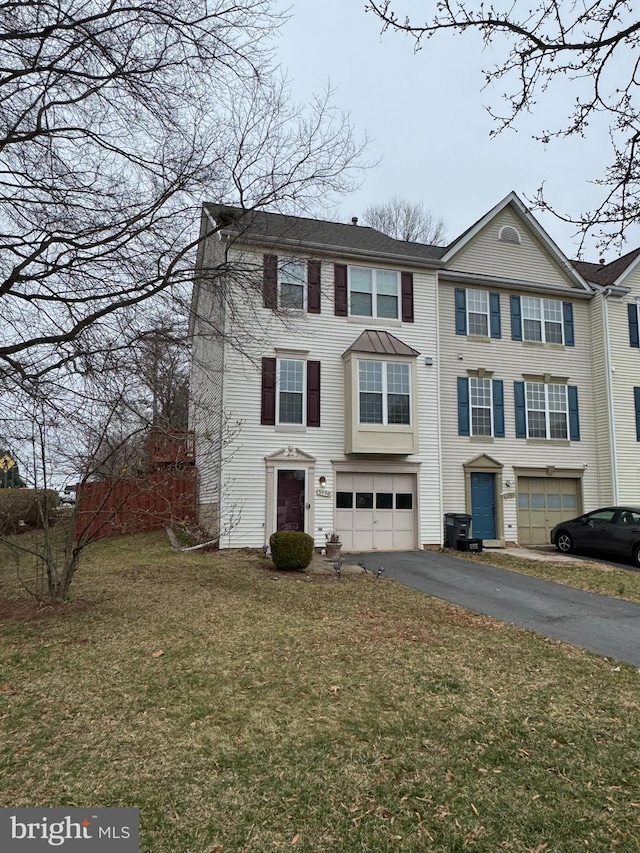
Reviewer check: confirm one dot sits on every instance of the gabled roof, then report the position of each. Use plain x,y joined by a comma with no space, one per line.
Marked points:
313,235
513,202
381,343
609,274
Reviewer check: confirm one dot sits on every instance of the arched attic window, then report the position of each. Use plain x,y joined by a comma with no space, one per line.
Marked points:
509,234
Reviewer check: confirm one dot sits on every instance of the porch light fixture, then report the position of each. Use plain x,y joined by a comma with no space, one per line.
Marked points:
322,481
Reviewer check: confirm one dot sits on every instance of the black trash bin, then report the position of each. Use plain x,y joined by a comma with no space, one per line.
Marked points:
457,525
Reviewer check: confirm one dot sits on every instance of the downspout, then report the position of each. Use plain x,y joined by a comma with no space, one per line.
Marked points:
439,398
612,417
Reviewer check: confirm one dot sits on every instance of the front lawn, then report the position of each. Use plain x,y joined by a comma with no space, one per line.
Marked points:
584,574
247,710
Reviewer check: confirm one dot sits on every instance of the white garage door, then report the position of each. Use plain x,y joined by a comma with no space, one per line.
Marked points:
376,512
542,503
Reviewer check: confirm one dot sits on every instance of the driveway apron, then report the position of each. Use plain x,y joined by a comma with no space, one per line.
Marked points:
606,626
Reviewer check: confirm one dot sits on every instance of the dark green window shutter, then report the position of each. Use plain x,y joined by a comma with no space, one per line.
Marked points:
516,319
574,414
463,405
494,311
634,337
521,410
498,408
461,311
636,400
567,313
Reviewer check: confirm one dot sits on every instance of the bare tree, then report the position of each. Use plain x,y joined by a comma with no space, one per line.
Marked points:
115,119
406,220
593,45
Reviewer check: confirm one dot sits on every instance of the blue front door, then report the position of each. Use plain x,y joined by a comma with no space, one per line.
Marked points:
483,506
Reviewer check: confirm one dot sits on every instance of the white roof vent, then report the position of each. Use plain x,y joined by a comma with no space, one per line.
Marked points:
509,234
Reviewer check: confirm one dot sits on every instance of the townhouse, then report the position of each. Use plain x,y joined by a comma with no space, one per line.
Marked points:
616,366
315,398
343,380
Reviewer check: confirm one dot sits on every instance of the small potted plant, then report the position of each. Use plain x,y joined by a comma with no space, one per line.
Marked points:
334,544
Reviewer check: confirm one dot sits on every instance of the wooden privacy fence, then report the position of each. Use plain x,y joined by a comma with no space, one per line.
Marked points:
117,507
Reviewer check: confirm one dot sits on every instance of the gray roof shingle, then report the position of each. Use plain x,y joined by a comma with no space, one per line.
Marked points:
606,274
296,231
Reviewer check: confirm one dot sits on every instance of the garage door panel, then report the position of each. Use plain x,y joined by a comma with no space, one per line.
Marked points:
362,520
373,520
542,503
404,521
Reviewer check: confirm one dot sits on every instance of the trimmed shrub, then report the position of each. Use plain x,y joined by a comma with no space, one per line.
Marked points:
291,550
22,509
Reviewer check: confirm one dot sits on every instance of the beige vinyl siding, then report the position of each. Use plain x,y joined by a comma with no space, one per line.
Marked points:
508,361
326,337
603,426
626,363
529,261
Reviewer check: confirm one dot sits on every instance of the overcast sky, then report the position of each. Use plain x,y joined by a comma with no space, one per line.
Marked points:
426,115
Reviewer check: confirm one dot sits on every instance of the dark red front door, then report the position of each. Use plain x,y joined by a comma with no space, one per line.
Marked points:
291,500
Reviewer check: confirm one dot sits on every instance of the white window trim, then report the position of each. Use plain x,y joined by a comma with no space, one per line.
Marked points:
283,262
374,293
547,411
472,407
290,424
487,312
543,333
384,393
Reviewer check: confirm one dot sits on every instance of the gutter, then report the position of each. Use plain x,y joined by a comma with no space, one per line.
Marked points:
334,249
612,417
512,284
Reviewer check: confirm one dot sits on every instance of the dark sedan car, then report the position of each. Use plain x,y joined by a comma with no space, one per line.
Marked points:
614,530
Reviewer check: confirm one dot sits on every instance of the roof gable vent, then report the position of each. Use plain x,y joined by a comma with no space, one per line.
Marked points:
509,234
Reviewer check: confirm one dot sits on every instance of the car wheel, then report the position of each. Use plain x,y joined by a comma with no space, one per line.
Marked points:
636,555
564,542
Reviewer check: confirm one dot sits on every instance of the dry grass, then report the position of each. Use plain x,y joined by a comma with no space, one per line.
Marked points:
584,574
244,710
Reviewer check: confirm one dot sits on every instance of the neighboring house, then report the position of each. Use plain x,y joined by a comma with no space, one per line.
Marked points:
616,362
345,380
315,382
519,442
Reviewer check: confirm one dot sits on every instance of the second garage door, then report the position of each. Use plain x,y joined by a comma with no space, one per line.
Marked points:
542,503
376,512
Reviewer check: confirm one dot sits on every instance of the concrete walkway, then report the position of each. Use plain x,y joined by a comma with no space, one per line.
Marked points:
606,626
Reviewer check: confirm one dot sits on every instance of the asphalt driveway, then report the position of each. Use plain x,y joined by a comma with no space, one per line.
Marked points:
606,626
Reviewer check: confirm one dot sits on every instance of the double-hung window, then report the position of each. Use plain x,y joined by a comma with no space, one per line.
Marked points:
384,392
480,406
547,410
478,312
292,283
542,320
374,293
480,402
291,391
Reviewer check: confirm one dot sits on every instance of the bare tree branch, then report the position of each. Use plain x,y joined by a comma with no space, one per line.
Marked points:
594,46
406,220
